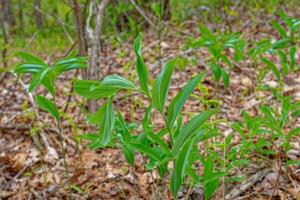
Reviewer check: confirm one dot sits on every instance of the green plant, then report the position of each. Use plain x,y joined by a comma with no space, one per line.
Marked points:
46,74
225,50
269,133
284,48
150,141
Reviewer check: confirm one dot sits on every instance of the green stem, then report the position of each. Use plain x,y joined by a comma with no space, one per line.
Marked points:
63,150
169,129
61,140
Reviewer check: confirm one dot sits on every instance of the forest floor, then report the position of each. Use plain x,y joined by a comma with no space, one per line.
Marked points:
31,171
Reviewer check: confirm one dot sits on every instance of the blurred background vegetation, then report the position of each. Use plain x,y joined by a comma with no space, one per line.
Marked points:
48,26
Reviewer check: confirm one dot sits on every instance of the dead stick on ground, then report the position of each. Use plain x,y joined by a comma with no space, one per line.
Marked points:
277,178
247,184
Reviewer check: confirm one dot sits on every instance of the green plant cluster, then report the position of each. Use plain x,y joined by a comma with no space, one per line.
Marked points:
173,149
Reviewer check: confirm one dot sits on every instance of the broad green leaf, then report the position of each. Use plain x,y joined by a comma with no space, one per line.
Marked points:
283,43
206,33
211,178
156,8
279,28
29,68
194,176
30,58
126,134
292,57
162,169
38,78
89,89
178,126
68,64
226,60
217,71
141,68
73,53
179,100
267,111
191,128
225,77
162,132
104,118
113,82
48,84
180,166
293,132
161,86
231,42
89,136
238,54
71,60
272,67
146,123
96,89
146,150
261,47
48,106
296,26
296,113
284,62
108,123
96,144
155,138
109,86
128,153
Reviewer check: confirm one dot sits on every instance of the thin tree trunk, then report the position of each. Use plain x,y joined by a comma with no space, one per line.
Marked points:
5,41
93,35
94,61
80,32
166,10
38,14
8,17
8,13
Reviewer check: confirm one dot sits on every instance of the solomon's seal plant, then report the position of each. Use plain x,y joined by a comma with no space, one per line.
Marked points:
43,74
162,153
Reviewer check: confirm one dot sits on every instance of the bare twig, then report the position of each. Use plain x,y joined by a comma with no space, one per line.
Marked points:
247,184
79,28
59,21
94,49
184,53
41,133
277,178
143,14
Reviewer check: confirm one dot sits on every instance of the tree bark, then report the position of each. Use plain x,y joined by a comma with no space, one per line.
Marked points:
94,51
38,14
7,11
82,47
7,17
93,35
166,10
79,28
5,41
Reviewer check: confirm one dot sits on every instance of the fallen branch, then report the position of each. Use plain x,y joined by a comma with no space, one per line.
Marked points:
236,192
